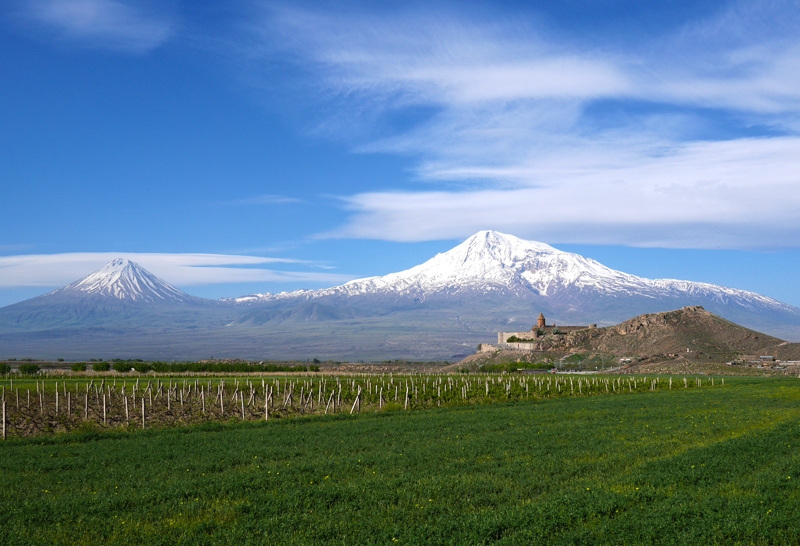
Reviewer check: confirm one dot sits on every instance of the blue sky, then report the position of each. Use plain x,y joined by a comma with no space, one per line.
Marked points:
270,146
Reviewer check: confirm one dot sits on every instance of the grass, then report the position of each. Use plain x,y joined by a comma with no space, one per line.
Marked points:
716,465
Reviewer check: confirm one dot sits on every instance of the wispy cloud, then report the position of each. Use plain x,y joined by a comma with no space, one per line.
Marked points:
178,269
265,199
515,122
114,24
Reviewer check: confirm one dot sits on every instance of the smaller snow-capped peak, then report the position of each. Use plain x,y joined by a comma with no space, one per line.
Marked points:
126,280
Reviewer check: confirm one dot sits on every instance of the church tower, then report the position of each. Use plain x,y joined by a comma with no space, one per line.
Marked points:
540,323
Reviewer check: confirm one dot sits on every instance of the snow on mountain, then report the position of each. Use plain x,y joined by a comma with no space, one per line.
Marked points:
490,261
125,280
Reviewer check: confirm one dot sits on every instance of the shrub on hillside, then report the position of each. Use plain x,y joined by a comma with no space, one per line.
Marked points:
122,367
5,368
78,367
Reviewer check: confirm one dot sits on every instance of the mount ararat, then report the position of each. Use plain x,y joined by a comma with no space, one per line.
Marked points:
439,309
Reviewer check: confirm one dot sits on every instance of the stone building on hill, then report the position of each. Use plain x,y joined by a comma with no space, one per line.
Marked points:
540,330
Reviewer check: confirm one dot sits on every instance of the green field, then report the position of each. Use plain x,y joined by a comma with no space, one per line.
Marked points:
684,466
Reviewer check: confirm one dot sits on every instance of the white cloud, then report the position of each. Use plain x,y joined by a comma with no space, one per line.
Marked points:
511,141
733,194
178,269
106,23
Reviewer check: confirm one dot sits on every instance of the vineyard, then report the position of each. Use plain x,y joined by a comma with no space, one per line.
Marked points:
540,459
46,406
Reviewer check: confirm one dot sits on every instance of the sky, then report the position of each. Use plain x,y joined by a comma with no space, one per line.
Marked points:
269,146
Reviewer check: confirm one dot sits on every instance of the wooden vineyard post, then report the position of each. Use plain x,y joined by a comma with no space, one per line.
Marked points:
380,399
56,398
203,399
105,421
69,403
241,399
356,402
86,407
143,413
127,415
4,419
406,403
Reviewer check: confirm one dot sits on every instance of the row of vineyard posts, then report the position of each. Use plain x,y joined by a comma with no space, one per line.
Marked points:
53,405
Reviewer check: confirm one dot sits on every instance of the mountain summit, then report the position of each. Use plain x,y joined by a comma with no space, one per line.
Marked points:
125,280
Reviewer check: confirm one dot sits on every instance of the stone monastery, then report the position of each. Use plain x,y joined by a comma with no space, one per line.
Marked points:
540,330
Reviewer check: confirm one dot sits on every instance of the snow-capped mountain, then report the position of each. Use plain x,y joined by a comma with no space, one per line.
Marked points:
493,262
439,309
120,296
125,280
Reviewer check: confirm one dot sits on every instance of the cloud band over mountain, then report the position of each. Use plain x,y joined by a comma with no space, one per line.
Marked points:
181,269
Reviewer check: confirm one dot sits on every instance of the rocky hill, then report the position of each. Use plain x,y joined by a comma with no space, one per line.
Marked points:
687,334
